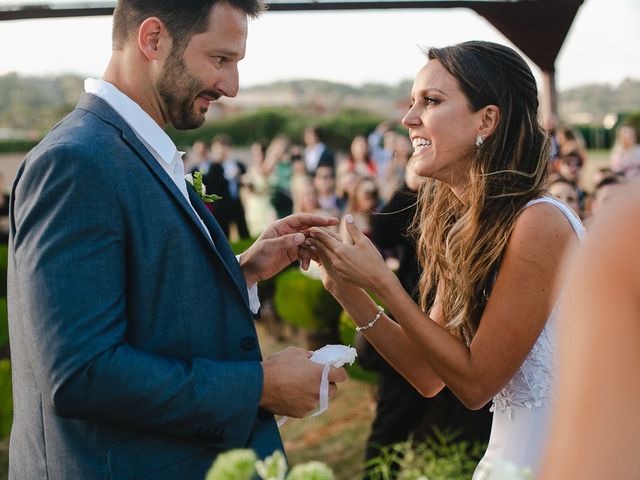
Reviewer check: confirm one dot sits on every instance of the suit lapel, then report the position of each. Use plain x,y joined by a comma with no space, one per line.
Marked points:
221,249
221,244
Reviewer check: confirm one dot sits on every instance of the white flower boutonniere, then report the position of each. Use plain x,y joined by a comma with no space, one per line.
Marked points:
195,180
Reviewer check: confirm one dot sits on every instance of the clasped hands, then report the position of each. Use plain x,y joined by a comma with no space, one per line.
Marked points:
282,243
304,237
352,261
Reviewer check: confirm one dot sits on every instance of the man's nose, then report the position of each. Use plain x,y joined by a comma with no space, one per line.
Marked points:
230,84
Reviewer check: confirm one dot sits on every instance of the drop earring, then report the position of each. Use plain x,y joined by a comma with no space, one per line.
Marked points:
479,141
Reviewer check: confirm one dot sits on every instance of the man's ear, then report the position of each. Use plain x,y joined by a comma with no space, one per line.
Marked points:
489,120
152,36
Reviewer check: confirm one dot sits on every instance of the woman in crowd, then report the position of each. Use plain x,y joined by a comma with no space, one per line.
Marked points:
625,156
490,246
568,142
257,194
360,160
363,203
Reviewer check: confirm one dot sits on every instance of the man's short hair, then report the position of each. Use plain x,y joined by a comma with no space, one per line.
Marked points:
182,18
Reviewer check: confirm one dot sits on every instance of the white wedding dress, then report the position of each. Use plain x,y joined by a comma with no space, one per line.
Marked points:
521,409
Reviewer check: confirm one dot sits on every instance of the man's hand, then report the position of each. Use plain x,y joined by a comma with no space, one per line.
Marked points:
292,383
279,245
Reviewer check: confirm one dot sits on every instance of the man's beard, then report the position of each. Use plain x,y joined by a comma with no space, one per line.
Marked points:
179,89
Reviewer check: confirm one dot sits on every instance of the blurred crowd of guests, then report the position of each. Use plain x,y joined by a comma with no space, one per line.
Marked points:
569,160
281,177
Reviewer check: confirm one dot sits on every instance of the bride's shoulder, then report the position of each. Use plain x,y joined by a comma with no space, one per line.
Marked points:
541,229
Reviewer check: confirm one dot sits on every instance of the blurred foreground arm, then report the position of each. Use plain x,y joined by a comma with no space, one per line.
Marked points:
596,420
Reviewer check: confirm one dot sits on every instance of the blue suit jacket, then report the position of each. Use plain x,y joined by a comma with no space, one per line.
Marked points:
133,347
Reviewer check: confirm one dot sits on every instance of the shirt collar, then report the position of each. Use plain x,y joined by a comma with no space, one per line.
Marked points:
140,121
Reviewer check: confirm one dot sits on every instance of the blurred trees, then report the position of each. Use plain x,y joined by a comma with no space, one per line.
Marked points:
30,106
35,104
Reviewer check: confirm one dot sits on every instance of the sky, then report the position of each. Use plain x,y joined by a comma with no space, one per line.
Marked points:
603,45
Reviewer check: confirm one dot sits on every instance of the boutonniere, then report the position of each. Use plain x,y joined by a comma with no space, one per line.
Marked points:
195,179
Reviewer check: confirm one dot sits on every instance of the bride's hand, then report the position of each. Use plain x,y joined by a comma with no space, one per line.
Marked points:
359,263
330,280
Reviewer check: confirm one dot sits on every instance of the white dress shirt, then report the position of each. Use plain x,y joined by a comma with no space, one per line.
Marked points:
312,156
157,142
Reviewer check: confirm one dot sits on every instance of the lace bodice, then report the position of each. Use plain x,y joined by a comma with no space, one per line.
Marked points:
531,386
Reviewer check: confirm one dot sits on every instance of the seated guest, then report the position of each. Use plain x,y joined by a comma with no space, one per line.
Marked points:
567,191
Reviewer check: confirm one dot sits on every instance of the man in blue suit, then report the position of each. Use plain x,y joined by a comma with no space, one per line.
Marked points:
133,346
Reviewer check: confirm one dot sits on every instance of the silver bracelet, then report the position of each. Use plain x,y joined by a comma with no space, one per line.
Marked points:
372,322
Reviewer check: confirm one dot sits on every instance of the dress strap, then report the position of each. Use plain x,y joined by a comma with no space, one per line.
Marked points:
568,212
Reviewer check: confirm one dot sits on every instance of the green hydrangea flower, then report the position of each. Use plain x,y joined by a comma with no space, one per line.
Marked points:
273,467
310,471
233,465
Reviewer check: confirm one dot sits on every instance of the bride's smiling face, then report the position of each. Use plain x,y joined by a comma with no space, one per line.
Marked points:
441,125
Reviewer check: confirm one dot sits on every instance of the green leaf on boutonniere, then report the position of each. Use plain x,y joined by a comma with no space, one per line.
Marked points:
196,181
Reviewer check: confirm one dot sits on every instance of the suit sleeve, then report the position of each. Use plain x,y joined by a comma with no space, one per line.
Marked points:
70,257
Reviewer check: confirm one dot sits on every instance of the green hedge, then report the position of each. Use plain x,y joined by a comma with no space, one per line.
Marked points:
4,329
4,259
4,326
596,138
6,403
17,146
262,125
265,124
303,302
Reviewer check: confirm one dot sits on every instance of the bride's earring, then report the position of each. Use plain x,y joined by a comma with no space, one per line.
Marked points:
479,141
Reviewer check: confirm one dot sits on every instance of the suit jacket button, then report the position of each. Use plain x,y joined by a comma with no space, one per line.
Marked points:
249,343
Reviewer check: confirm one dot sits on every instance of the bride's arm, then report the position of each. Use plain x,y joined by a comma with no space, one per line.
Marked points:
519,305
389,339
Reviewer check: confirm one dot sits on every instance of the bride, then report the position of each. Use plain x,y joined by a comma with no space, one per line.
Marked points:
490,244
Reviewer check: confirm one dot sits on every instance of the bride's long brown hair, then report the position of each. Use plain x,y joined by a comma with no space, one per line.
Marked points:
460,244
